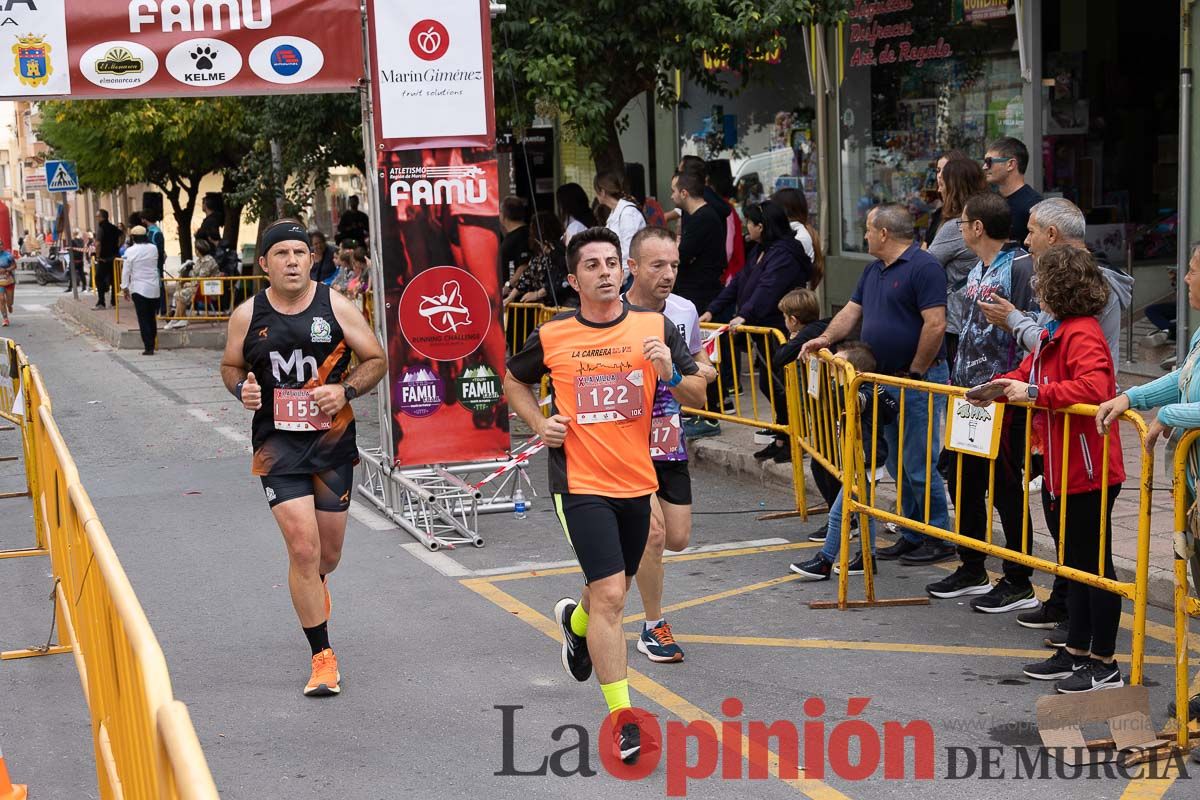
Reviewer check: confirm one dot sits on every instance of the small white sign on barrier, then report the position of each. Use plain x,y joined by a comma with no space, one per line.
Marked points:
210,287
814,377
973,430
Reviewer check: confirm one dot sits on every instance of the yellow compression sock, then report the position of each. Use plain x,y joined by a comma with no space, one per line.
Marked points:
579,619
616,695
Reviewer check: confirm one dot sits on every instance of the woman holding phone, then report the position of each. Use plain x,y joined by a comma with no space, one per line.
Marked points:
1072,364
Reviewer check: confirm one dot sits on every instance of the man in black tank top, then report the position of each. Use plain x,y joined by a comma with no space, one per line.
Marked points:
287,357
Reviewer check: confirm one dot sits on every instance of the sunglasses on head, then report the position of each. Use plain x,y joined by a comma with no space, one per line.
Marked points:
989,160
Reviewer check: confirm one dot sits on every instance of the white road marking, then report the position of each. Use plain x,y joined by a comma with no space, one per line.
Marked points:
33,308
439,561
229,433
528,566
375,522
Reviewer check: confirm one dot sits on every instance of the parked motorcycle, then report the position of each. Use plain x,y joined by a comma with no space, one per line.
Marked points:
50,270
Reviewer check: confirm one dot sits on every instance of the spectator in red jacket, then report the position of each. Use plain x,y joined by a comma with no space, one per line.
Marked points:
1072,364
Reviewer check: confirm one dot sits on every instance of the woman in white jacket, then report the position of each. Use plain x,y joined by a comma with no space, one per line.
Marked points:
624,219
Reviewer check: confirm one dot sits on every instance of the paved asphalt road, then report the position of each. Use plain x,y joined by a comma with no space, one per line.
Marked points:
430,646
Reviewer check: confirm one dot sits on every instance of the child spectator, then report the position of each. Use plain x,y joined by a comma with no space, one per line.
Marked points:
819,566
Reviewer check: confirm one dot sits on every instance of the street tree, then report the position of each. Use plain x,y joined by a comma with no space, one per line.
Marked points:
585,60
168,143
297,139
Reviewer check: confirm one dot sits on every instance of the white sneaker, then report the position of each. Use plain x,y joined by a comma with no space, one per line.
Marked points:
1158,338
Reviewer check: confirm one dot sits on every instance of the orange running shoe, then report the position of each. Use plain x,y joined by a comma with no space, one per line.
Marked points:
325,678
328,599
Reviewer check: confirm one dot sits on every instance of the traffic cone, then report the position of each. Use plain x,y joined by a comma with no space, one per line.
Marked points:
7,790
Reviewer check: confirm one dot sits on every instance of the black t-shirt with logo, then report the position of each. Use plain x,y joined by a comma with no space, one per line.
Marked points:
514,251
294,351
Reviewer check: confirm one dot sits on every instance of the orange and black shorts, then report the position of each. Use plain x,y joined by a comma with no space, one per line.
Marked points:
330,489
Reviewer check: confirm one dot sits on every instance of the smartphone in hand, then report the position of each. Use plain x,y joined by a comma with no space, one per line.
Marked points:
986,392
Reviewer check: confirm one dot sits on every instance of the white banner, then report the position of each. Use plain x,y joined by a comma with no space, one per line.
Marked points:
33,50
431,80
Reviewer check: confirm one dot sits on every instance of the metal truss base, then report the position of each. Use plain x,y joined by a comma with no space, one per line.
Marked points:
437,505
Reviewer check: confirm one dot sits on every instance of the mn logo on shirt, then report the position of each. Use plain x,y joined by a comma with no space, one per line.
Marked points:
321,332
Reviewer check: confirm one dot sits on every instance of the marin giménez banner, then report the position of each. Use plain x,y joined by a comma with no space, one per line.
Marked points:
182,48
432,68
439,236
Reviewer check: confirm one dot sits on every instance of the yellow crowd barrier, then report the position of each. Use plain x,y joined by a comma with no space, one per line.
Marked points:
862,499
1187,604
520,319
779,388
214,289
145,746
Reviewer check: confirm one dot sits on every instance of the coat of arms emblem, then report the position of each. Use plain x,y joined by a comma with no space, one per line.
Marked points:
32,60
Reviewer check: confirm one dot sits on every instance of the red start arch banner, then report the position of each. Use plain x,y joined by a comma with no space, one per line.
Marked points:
178,48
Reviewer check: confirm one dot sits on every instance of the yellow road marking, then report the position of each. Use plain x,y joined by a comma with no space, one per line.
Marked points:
654,691
1147,788
744,551
699,601
881,647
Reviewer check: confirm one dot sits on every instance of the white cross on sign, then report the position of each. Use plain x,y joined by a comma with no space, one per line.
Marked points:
61,176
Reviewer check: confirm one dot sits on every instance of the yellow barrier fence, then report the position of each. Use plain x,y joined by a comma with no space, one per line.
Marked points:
861,498
519,321
145,746
12,421
779,410
1186,602
224,291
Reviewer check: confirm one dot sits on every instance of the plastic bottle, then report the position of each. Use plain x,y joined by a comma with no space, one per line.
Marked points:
519,507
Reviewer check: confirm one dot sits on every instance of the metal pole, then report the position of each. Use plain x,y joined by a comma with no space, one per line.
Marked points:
374,200
1182,227
1129,314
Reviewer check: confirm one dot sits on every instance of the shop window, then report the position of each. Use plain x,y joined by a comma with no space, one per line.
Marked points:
765,130
921,77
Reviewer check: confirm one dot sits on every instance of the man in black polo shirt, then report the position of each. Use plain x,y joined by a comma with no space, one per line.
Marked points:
701,241
901,303
1004,166
514,247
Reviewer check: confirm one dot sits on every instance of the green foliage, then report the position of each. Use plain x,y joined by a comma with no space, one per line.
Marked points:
314,133
173,143
118,142
584,60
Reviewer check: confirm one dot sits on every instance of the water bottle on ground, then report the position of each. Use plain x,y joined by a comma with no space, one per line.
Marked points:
519,506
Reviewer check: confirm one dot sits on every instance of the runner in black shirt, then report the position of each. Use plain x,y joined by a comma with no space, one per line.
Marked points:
286,358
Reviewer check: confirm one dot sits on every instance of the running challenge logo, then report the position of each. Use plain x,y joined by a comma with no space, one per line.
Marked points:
853,749
424,186
445,313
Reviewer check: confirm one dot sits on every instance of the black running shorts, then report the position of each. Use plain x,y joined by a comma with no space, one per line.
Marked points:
330,489
608,534
674,482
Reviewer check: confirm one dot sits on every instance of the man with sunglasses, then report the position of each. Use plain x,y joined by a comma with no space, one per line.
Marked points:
1004,166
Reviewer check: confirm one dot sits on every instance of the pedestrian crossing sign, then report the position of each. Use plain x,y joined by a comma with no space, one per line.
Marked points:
62,176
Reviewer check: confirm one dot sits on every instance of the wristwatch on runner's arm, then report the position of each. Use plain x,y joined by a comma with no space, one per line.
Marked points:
351,392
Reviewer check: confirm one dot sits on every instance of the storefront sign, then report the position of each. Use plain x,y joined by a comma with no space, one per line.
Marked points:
979,10
432,68
146,48
865,35
439,237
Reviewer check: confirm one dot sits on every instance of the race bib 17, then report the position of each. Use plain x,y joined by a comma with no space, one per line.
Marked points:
665,436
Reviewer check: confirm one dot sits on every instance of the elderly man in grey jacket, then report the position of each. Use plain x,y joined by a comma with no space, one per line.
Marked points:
1059,221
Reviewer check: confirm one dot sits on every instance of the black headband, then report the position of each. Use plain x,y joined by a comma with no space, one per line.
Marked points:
283,232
